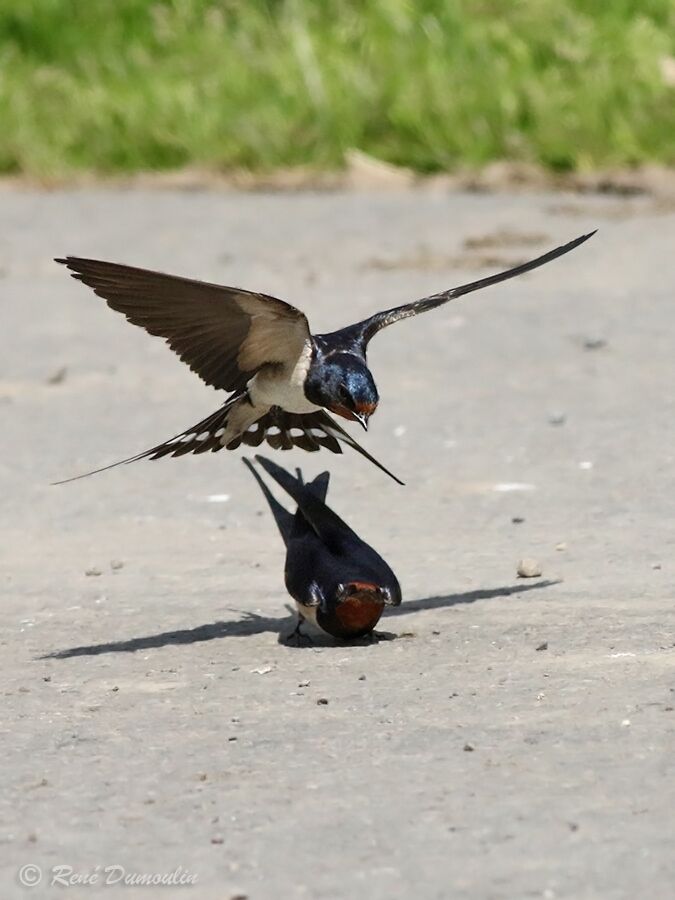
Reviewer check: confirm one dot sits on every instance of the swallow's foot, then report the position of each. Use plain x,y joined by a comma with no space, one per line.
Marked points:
376,636
297,639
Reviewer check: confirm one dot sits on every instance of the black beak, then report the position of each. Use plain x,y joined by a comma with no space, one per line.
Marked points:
362,420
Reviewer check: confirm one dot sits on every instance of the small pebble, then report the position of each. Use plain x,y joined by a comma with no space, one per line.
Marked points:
561,546
529,568
42,783
57,377
557,418
303,684
114,688
46,677
217,839
469,748
517,520
362,677
116,564
322,701
543,646
594,343
232,738
93,571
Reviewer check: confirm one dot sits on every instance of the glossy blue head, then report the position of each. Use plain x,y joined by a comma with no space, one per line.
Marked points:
342,383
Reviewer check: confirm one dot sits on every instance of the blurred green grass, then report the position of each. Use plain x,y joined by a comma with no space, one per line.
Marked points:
123,85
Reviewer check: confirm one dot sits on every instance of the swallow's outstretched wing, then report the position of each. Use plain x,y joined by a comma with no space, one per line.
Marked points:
369,327
223,334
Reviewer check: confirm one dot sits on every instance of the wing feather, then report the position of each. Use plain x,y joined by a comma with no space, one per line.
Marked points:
224,334
369,328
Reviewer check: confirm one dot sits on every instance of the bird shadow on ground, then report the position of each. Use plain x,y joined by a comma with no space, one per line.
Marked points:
251,624
468,597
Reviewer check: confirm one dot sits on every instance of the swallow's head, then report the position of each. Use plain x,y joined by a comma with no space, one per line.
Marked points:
367,592
356,611
342,383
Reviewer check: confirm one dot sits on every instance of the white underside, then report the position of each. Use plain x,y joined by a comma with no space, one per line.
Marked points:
283,386
308,614
273,386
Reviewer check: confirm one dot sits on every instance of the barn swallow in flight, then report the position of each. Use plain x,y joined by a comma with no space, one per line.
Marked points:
339,583
282,379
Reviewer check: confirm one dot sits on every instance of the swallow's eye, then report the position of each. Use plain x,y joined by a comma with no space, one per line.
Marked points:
345,397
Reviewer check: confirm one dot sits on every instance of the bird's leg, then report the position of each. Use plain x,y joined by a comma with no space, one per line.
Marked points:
296,638
313,600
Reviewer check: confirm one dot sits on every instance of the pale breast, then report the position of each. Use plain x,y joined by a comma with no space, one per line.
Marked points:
283,385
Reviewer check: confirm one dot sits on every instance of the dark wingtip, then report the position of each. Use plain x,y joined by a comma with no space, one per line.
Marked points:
247,462
270,466
256,474
278,472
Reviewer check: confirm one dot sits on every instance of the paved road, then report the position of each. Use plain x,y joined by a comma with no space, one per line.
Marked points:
152,720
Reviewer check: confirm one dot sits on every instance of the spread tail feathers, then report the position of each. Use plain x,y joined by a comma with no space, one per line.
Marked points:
203,436
280,429
308,431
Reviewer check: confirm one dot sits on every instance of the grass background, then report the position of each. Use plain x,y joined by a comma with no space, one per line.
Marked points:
121,85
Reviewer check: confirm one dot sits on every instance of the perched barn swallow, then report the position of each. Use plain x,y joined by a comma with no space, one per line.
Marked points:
338,582
281,378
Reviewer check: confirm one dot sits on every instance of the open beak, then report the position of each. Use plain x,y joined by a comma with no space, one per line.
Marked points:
362,420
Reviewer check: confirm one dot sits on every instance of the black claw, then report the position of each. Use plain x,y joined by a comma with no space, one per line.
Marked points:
297,639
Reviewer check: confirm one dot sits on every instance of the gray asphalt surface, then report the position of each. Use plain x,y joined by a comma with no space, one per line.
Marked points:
152,720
